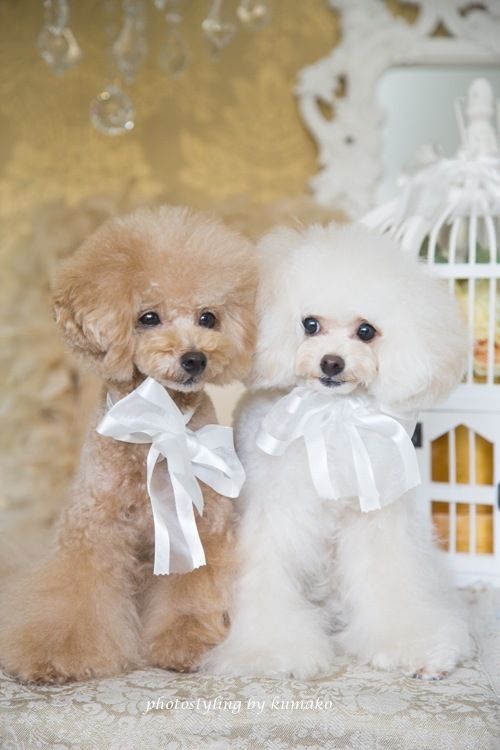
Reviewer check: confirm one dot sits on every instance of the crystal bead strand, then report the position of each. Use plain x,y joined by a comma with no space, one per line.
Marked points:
254,14
218,27
56,42
131,46
112,111
174,55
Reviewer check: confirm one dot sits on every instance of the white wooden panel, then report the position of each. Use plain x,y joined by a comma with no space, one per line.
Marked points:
468,567
437,423
466,271
482,494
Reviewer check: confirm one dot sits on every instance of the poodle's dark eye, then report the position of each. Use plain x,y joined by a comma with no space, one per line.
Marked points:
366,332
150,319
207,319
311,326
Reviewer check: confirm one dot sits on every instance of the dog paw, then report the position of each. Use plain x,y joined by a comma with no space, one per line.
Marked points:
427,673
168,653
181,646
417,667
57,671
299,662
311,669
65,621
57,648
33,660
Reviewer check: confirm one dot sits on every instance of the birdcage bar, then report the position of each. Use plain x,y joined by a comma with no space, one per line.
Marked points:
452,458
492,291
452,253
472,237
462,493
472,529
471,299
472,456
465,271
431,250
452,531
492,237
452,248
452,480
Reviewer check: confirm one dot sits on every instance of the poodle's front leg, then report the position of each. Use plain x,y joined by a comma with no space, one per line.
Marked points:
185,615
401,609
74,616
275,630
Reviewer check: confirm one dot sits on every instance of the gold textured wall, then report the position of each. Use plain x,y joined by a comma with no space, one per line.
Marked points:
227,131
228,126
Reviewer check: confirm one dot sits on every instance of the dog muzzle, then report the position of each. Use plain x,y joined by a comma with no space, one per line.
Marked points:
355,448
176,458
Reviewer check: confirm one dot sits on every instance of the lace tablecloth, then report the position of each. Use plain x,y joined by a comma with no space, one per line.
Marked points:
354,707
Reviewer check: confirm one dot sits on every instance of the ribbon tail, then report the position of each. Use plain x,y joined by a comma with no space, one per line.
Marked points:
317,457
178,547
162,514
187,552
369,496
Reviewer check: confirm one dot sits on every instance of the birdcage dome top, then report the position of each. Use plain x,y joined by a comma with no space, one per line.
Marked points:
436,190
440,192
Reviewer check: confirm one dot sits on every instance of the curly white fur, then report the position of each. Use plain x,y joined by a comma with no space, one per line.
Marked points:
304,560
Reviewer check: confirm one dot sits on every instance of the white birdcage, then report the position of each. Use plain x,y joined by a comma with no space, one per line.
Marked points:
448,214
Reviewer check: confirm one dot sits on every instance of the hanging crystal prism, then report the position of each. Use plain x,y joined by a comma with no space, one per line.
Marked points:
56,13
167,5
131,46
174,54
254,14
112,111
56,42
218,28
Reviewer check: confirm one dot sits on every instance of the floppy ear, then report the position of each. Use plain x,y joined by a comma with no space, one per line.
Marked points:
273,363
422,354
239,307
95,314
241,327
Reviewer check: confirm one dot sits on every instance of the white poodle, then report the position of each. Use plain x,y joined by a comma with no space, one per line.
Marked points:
341,311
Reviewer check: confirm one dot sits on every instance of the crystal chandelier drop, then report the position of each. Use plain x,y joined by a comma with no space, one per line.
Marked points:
56,42
112,110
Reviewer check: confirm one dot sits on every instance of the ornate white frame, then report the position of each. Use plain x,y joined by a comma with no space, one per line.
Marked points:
373,39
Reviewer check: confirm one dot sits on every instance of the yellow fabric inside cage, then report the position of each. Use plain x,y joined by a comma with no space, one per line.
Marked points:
481,292
441,458
484,527
440,472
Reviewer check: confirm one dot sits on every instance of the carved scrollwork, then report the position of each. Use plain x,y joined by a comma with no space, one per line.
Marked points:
337,95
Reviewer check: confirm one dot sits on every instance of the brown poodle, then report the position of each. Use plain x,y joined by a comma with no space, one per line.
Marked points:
162,293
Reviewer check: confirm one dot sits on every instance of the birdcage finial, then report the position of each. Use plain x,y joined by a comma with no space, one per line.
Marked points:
475,115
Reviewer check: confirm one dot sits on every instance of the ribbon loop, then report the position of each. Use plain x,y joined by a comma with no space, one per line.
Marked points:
354,447
149,415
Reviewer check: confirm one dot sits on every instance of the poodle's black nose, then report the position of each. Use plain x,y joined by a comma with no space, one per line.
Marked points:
194,362
331,364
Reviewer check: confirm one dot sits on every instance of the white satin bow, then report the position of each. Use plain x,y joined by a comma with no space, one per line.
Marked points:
374,458
149,415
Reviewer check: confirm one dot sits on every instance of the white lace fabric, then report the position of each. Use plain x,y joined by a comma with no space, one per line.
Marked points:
355,707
